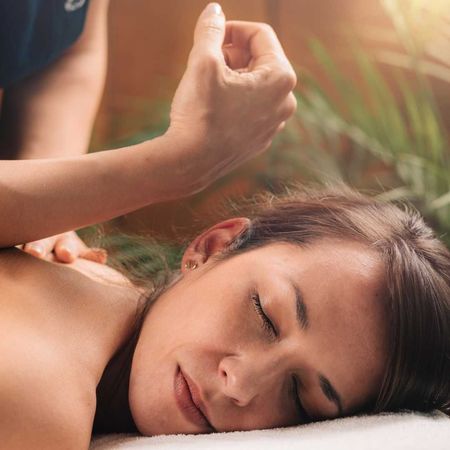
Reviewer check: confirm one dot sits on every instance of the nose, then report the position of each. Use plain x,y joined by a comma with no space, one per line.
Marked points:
243,379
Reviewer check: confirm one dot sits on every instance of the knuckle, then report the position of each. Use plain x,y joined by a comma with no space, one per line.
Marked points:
207,62
265,28
212,25
210,60
291,105
287,80
211,28
292,79
287,111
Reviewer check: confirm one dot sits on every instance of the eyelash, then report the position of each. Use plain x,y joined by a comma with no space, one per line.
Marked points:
270,328
267,325
298,403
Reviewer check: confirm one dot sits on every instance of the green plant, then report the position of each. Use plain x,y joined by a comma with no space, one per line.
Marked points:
375,134
379,133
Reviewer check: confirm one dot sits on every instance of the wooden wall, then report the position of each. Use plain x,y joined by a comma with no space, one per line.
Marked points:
149,45
150,41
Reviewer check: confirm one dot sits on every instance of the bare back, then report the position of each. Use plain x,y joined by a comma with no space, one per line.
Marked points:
60,324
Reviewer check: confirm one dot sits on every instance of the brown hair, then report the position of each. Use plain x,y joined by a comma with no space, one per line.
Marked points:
417,280
417,277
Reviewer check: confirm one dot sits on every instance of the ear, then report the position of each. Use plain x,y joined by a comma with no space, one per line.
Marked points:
213,241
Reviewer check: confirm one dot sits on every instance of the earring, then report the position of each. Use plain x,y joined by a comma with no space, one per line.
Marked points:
190,265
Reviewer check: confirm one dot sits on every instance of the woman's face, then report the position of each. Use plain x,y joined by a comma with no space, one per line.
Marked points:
324,334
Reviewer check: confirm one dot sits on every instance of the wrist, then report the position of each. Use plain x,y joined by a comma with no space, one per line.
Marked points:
170,170
183,157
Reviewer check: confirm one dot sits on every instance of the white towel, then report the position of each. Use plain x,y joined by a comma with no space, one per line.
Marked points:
400,431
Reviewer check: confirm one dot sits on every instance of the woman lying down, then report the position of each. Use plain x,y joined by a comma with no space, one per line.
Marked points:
313,306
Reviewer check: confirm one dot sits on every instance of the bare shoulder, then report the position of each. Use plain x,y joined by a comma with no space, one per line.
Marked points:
99,272
42,404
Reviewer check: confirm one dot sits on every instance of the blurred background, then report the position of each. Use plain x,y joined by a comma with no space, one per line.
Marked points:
373,100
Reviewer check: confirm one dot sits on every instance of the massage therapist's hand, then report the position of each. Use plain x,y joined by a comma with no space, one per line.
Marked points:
235,95
64,248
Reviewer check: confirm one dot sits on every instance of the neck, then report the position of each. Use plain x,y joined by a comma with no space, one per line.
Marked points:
122,309
113,413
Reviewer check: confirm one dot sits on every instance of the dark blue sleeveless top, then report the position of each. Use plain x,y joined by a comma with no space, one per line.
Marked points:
33,33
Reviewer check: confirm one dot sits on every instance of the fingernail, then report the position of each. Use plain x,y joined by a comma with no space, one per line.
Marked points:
214,8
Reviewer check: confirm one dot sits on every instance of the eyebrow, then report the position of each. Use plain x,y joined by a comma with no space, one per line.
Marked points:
301,312
330,393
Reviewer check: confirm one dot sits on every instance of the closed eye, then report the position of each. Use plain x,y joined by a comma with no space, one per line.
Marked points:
270,329
266,323
304,416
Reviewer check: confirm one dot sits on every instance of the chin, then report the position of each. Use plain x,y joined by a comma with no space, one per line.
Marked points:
155,411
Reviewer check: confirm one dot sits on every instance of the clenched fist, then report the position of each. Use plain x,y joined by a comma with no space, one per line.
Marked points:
235,95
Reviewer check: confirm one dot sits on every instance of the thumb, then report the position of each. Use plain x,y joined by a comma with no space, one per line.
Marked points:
210,30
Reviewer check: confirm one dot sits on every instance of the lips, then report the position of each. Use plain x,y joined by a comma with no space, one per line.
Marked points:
188,400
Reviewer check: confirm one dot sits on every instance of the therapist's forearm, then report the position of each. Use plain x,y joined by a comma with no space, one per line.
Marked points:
40,198
51,114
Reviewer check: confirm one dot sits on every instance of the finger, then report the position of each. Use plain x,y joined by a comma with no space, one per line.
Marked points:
284,110
270,135
98,255
40,248
281,127
68,247
288,107
258,38
209,31
236,58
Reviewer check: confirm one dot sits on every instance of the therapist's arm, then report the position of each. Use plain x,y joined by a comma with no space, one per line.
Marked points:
44,197
220,117
51,114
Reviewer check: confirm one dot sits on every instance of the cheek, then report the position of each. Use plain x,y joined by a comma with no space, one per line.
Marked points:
220,326
209,322
196,331
210,314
